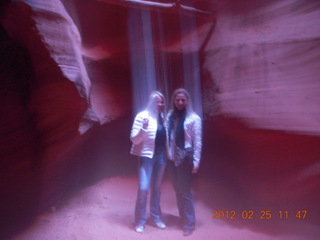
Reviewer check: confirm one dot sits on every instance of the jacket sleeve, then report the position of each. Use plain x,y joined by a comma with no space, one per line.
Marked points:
197,141
137,132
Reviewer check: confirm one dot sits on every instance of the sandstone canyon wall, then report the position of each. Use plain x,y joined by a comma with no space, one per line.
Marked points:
251,66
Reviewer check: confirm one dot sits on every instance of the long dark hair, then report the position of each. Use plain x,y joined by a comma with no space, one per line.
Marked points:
180,115
189,108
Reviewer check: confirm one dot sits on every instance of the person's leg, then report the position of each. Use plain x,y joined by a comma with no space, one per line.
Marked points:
172,173
145,172
184,177
157,177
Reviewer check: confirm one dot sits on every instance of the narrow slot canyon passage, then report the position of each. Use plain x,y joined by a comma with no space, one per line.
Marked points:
75,73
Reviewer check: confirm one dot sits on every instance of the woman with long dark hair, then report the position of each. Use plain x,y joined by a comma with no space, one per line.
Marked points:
184,151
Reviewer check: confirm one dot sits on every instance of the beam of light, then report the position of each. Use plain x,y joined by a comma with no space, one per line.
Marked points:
163,72
190,62
142,57
149,63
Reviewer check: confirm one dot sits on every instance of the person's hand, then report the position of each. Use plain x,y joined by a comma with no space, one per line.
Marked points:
195,170
145,123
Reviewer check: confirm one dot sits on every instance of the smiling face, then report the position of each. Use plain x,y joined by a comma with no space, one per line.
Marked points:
180,101
159,101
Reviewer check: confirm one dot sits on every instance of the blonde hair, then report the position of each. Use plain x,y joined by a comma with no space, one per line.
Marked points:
151,106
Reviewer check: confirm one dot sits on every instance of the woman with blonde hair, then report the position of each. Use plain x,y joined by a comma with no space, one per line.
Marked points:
148,136
184,151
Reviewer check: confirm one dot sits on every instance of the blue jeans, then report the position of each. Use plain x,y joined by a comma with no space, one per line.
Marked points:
151,171
181,180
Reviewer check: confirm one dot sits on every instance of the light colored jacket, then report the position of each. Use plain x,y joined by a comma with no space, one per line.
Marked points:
143,140
193,137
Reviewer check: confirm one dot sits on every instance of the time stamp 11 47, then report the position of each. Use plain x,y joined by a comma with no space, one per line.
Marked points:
263,215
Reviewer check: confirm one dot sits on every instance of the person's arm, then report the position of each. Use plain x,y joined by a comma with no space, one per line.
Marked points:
139,129
197,144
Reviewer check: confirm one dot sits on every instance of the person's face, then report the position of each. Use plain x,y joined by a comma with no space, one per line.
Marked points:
180,101
159,104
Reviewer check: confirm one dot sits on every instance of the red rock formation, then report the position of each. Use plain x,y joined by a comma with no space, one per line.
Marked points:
45,90
251,66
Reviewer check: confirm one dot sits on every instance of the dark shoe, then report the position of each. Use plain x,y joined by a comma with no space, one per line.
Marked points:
187,232
160,225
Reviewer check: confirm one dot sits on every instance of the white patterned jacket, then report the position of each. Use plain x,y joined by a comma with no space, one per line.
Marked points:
193,137
143,140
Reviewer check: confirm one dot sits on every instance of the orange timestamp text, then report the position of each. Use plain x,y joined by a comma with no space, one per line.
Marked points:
263,215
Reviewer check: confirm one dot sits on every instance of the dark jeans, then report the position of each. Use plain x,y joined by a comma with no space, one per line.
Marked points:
151,171
181,180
